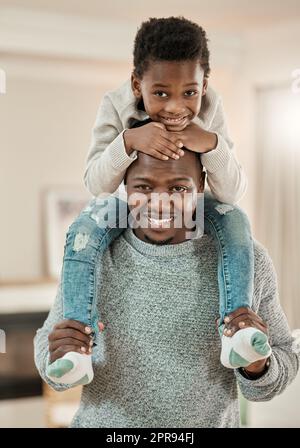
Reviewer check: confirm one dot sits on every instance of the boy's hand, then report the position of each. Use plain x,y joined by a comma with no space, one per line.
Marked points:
69,336
155,140
197,139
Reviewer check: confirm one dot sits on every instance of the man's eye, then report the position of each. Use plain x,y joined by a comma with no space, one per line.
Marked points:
191,92
143,187
179,189
160,94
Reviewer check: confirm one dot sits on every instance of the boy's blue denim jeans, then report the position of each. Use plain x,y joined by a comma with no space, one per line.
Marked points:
91,233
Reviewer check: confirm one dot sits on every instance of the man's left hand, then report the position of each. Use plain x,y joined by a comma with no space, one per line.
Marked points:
244,317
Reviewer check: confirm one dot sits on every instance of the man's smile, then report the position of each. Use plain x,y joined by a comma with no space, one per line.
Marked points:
157,221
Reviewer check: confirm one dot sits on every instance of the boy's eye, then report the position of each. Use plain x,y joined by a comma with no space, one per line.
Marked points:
191,92
160,94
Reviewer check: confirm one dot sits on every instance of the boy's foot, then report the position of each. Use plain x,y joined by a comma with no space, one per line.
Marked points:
73,369
246,346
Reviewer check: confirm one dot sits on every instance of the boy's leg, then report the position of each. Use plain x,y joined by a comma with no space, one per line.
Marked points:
91,233
231,230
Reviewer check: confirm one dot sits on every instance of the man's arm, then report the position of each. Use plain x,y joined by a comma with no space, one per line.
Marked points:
285,358
41,343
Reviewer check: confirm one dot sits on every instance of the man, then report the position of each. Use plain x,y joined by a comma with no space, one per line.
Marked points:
157,362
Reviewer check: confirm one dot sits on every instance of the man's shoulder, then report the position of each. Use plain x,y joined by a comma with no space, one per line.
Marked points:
261,253
264,270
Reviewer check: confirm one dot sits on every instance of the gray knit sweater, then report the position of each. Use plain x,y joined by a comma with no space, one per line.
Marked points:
157,361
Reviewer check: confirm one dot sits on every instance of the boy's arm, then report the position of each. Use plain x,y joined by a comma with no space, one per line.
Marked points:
107,159
285,357
41,343
225,176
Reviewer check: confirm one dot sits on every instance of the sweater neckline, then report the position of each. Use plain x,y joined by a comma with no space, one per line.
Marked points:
156,250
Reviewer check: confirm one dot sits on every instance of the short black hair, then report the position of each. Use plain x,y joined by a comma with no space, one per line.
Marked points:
169,39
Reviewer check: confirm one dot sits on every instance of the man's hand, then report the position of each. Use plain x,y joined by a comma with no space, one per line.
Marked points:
153,139
197,139
69,336
242,318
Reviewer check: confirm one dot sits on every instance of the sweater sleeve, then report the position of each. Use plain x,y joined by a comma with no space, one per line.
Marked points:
40,342
285,358
107,158
225,176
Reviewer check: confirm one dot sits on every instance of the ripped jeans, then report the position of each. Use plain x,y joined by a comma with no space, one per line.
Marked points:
91,233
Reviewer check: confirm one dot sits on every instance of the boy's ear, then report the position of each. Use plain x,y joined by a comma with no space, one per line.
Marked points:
136,86
205,85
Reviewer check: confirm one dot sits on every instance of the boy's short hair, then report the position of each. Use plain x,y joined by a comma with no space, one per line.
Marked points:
169,39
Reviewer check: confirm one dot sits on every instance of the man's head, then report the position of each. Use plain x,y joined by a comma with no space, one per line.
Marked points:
171,69
163,195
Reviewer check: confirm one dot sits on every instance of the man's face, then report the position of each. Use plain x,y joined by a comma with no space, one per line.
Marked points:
172,92
162,197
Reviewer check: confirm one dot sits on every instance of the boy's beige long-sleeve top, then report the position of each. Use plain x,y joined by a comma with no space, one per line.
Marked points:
107,159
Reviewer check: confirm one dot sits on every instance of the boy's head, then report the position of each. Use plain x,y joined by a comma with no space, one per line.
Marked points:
171,69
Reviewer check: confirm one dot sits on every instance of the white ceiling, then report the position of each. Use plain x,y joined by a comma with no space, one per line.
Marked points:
227,15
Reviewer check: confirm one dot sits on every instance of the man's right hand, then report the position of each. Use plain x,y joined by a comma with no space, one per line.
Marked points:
153,139
69,336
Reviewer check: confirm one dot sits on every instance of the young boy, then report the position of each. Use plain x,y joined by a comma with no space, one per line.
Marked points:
169,88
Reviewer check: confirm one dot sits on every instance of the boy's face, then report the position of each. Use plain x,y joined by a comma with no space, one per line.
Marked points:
172,92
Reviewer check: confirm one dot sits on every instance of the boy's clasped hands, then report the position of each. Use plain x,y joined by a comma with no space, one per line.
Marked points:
156,140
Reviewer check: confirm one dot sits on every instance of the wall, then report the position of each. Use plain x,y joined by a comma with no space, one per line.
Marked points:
46,120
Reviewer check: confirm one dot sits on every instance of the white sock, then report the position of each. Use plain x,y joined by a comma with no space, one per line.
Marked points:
246,346
73,368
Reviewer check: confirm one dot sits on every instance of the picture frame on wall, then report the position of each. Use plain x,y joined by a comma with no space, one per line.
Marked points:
61,206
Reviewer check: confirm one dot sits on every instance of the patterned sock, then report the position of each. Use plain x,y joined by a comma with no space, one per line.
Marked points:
73,368
246,346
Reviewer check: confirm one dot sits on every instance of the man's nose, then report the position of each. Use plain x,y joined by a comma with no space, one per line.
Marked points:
160,202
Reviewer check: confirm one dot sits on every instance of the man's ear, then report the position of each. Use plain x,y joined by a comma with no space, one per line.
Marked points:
136,86
204,86
202,182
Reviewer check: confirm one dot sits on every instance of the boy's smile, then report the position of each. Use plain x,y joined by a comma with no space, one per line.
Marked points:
172,92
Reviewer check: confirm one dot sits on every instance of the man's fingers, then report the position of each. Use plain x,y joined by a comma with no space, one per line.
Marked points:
237,312
69,323
101,326
243,313
244,323
69,333
69,341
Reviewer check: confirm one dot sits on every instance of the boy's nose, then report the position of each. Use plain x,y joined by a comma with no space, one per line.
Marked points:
175,108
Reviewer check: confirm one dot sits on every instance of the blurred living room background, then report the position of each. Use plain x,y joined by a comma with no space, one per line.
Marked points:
57,59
